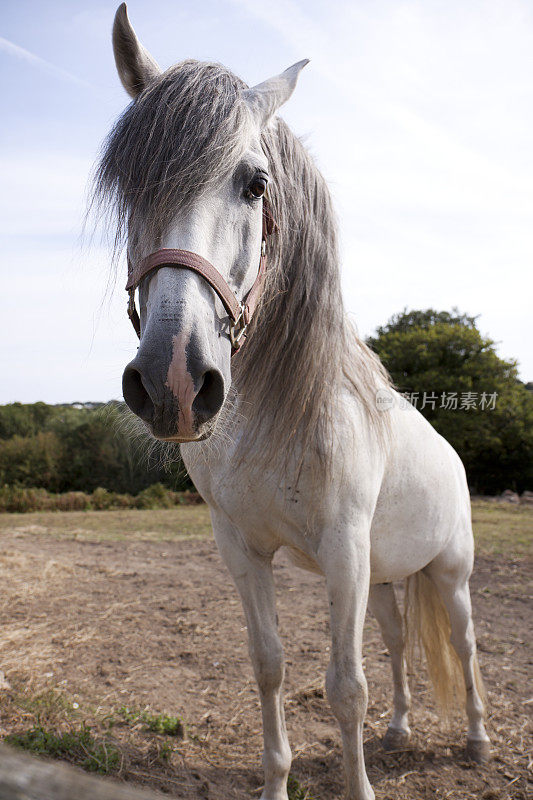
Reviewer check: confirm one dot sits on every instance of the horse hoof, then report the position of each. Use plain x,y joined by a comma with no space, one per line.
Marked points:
395,739
478,750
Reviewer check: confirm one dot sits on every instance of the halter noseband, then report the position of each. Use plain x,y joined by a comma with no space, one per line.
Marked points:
240,313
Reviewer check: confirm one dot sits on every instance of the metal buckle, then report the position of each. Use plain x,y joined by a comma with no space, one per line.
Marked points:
131,303
237,330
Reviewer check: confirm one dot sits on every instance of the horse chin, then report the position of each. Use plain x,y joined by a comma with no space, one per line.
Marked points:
184,439
202,432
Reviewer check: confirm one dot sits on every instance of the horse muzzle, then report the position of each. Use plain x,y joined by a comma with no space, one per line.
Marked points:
179,404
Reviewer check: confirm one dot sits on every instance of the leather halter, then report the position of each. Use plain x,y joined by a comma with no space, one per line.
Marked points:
240,313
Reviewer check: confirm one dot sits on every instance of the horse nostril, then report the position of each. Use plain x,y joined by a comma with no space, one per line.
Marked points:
210,397
136,396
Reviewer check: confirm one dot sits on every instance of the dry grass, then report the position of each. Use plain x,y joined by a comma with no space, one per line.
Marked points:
158,525
102,611
503,528
499,528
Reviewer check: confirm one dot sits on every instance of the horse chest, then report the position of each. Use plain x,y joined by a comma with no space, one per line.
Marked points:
266,511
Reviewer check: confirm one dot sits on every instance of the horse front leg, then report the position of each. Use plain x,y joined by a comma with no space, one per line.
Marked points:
345,560
253,577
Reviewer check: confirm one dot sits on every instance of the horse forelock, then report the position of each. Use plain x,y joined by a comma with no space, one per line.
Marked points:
181,136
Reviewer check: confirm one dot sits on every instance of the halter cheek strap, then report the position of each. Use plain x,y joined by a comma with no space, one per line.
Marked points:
240,313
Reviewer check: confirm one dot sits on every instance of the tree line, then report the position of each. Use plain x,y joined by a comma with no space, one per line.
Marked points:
439,360
82,447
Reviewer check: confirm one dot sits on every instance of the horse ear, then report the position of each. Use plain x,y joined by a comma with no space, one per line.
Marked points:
136,67
265,98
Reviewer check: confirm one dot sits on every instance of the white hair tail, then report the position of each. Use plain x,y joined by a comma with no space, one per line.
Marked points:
427,627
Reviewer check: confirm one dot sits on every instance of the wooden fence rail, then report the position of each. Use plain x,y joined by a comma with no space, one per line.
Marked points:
23,777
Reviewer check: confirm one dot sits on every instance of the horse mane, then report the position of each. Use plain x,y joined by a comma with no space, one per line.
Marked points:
184,133
302,348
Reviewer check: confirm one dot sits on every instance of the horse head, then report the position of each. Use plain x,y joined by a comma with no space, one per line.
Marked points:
187,160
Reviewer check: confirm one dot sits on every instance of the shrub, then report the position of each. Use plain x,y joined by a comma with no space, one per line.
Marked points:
70,501
156,496
20,499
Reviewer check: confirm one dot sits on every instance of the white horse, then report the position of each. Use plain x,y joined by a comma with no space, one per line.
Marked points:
298,441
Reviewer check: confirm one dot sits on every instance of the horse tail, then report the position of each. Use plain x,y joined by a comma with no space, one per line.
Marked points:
427,627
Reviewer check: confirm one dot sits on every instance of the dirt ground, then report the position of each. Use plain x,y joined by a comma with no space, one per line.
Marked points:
158,625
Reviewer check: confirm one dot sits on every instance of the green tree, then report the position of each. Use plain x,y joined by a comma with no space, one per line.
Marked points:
439,353
18,419
32,461
81,447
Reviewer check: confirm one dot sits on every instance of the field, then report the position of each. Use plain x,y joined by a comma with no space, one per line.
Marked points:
123,650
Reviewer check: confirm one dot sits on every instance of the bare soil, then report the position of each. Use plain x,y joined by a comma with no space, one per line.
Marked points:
158,625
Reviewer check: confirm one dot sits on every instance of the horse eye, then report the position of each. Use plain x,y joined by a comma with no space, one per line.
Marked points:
256,188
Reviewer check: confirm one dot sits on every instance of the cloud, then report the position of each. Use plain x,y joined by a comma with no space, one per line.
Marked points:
25,55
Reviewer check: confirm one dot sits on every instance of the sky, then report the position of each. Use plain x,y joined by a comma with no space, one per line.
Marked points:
419,114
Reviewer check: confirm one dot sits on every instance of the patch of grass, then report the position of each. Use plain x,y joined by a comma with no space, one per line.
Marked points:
77,746
499,528
164,724
165,752
155,723
59,730
128,715
502,528
48,705
296,791
158,525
